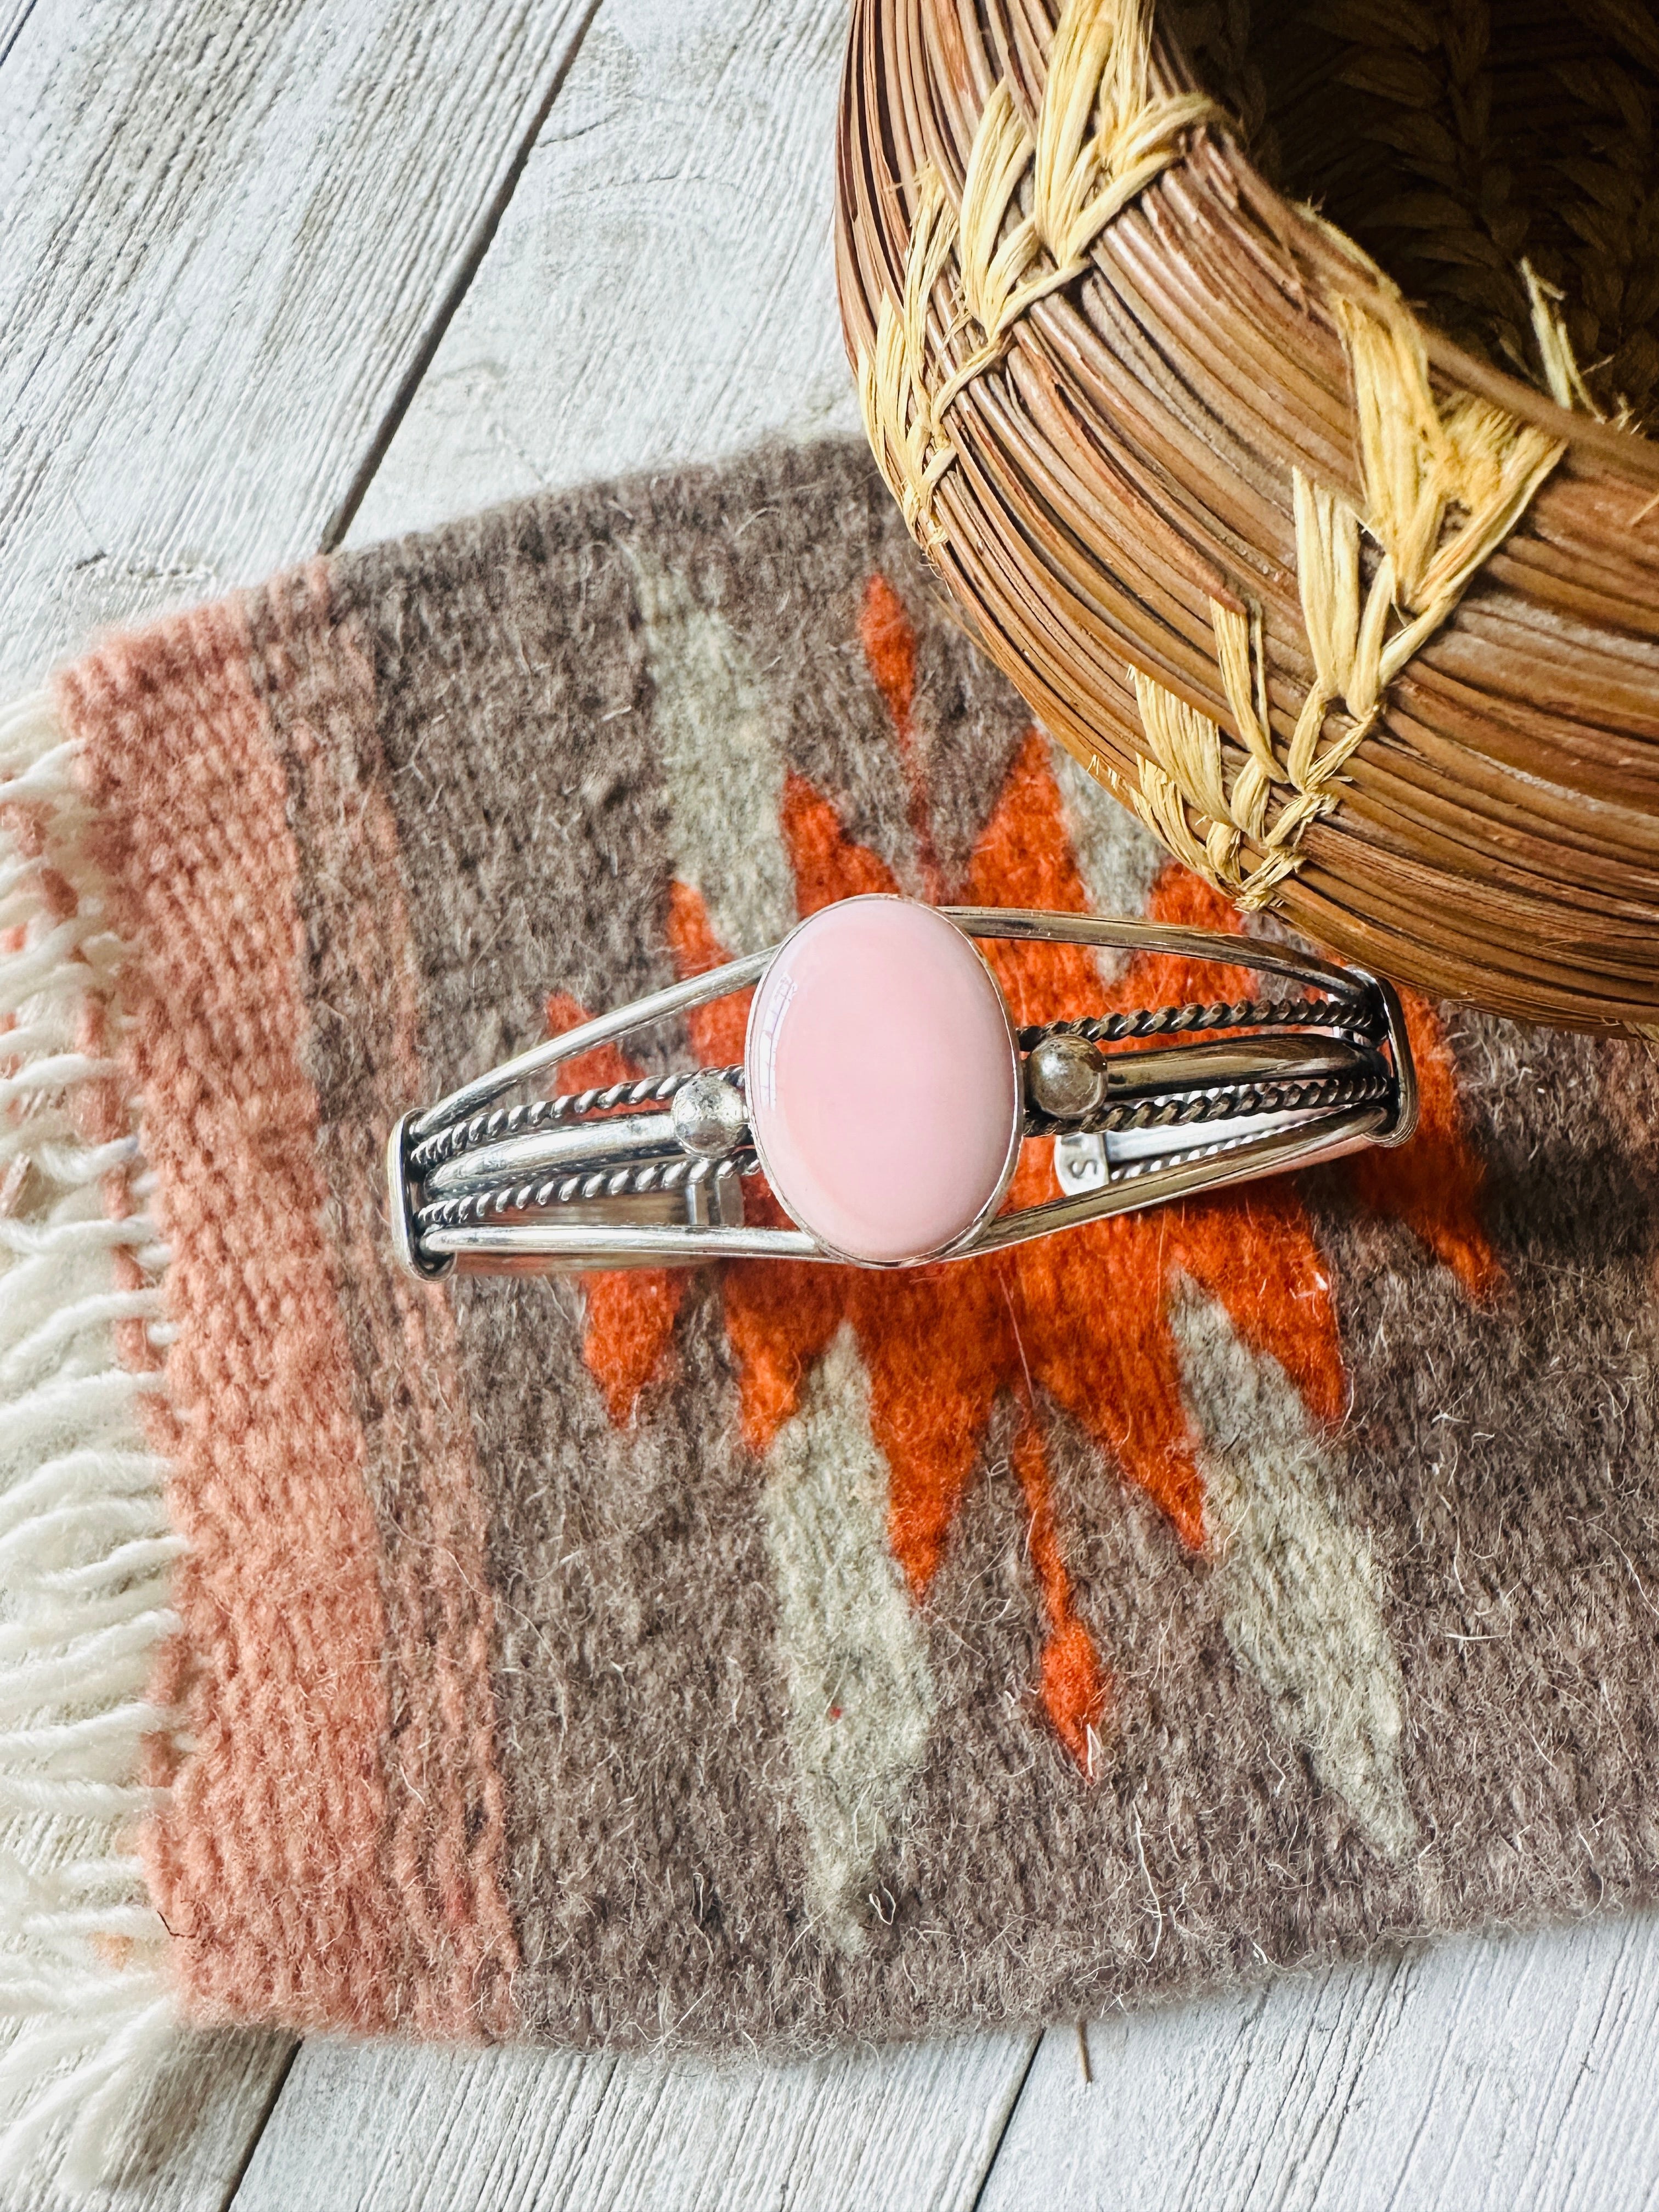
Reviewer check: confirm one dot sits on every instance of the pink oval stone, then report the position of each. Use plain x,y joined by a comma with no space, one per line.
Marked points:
883,1079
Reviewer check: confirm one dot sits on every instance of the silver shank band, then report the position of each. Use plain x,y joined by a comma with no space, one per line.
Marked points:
614,1178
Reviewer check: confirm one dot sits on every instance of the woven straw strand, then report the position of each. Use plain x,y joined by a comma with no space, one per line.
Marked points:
1444,486
1099,141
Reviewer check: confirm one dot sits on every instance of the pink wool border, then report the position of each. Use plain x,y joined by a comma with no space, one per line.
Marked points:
279,1857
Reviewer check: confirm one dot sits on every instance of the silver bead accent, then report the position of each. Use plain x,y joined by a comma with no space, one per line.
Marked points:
709,1116
1066,1077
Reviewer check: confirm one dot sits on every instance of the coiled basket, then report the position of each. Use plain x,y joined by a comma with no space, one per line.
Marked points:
1270,396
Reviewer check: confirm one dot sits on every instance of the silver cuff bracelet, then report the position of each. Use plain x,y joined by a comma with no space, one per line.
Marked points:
885,1095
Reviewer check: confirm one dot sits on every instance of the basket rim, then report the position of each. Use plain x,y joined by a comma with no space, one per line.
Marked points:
1184,705
1630,451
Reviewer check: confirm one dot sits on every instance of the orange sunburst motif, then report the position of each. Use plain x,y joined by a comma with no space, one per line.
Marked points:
1084,1316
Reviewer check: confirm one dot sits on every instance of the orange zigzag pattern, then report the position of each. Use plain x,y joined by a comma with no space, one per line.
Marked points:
1084,1316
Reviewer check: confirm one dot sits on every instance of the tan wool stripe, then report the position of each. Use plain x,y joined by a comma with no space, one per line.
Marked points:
445,1799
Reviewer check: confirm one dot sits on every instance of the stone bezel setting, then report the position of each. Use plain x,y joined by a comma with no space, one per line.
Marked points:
861,1086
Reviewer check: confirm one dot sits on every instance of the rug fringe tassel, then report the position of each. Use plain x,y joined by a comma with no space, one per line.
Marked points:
85,1547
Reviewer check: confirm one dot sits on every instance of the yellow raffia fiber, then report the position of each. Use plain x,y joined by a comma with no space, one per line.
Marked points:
1099,141
1445,485
1561,370
901,419
1184,796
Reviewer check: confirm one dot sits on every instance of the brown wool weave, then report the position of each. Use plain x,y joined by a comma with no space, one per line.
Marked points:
774,1655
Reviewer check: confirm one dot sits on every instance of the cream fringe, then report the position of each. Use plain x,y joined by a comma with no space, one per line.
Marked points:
85,1548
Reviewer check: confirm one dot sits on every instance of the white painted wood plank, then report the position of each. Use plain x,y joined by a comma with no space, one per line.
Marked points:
661,288
1482,2076
230,234
900,2130
190,2141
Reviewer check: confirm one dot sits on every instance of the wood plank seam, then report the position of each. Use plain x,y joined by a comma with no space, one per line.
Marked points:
1008,2121
471,260
279,2082
14,30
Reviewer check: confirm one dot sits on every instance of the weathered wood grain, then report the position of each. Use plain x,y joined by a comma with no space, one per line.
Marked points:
901,2130
190,2142
1482,2076
231,233
661,288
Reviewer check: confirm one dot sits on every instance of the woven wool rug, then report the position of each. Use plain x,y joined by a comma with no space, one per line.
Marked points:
775,1655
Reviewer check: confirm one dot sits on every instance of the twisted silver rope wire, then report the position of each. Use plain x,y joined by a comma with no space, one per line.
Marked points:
495,1122
484,1129
563,1190
1222,1102
1353,1017
1191,1108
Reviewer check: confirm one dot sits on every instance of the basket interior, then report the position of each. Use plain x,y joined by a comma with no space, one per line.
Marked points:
1456,142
